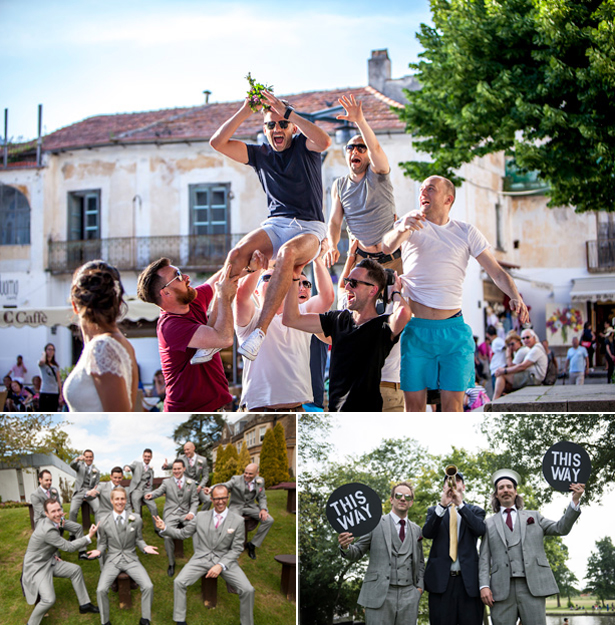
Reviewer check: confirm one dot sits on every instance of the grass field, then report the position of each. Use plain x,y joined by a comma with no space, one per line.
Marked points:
264,573
586,603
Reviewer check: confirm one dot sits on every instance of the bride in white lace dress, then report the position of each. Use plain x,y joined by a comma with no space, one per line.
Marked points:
105,378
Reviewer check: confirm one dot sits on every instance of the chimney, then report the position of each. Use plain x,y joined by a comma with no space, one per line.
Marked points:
207,93
379,69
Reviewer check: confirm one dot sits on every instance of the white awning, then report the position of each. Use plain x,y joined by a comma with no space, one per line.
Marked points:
595,289
64,315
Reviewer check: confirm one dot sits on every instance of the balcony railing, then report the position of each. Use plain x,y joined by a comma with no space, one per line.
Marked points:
204,253
601,255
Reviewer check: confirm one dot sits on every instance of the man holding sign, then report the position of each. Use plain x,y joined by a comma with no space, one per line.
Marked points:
514,574
393,583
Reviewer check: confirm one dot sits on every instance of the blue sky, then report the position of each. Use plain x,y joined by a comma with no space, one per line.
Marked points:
88,57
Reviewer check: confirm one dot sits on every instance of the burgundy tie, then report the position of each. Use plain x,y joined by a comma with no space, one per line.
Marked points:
402,530
509,518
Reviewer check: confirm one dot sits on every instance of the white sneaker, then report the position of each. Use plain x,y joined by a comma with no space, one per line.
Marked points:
205,354
249,348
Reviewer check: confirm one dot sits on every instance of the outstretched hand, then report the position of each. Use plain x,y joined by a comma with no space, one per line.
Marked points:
354,109
518,306
226,285
152,551
160,524
277,106
577,491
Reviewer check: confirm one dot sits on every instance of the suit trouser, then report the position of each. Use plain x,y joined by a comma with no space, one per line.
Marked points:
454,606
77,501
195,569
174,521
137,498
519,603
47,592
264,526
400,607
138,573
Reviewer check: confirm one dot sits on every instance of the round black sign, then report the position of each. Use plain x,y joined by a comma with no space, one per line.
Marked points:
566,463
354,508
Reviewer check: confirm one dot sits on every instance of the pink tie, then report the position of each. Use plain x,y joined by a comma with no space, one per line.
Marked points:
218,519
179,485
48,494
509,518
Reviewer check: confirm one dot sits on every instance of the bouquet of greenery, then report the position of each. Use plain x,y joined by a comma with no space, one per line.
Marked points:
255,93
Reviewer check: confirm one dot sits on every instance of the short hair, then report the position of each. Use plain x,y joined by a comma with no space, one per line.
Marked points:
86,451
531,332
49,502
117,470
119,489
406,484
41,473
150,283
491,331
179,461
375,272
213,488
147,450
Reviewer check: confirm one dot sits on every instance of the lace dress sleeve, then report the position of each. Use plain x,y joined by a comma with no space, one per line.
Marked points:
109,356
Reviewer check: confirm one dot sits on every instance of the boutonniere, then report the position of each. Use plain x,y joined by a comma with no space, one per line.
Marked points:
94,470
260,480
199,461
132,529
189,482
230,530
530,520
420,538
131,518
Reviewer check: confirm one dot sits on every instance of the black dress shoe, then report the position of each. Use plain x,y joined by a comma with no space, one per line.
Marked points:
144,621
88,607
251,551
83,555
107,623
171,570
181,623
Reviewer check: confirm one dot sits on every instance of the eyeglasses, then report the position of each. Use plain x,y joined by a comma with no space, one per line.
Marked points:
283,124
219,498
353,283
360,147
400,496
306,284
179,277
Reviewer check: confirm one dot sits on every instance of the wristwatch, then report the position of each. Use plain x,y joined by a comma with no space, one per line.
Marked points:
287,112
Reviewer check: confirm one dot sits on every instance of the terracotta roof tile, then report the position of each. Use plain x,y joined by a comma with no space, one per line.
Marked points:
200,122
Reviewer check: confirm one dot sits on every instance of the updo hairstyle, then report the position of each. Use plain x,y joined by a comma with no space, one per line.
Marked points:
97,292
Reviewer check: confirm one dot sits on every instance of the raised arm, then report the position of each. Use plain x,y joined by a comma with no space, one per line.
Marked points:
317,139
505,283
244,302
379,162
334,228
401,312
321,302
402,230
222,142
293,318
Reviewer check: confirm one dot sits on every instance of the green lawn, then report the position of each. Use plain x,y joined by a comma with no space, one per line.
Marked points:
586,603
264,574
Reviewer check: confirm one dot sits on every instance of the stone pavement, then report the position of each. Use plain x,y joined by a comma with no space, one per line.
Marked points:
558,398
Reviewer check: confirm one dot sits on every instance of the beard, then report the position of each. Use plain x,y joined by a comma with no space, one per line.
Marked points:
187,297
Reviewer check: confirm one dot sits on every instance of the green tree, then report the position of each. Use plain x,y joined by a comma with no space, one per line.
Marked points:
229,465
601,569
29,433
557,554
535,78
270,467
281,451
204,430
220,460
58,442
244,458
522,441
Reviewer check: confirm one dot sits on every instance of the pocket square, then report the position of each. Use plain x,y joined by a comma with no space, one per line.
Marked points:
530,520
230,530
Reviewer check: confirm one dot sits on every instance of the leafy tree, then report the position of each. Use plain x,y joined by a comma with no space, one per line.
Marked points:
58,442
523,440
281,451
557,554
535,78
271,469
226,463
29,433
244,457
601,569
204,430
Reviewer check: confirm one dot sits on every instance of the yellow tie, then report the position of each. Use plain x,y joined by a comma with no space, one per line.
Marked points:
452,550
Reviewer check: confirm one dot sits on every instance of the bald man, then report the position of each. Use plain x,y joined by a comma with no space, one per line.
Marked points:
196,469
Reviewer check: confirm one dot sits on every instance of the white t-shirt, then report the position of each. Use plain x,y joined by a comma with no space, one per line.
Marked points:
435,262
520,355
539,357
281,373
498,346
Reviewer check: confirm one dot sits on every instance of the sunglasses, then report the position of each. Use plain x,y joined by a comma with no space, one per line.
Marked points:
283,124
353,283
179,277
400,496
360,147
306,284
526,338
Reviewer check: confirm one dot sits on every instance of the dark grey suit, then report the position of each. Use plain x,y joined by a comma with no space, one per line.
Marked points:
222,545
40,567
120,544
390,590
534,579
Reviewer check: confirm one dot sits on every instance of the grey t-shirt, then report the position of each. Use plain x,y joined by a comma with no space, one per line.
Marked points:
49,381
369,206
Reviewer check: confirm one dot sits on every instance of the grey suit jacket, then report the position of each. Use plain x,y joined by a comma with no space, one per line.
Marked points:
118,543
81,468
38,499
39,559
240,497
223,545
178,502
141,479
494,566
199,472
379,544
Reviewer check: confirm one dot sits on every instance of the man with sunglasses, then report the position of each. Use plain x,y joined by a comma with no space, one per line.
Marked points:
364,197
279,379
289,169
393,583
437,345
183,328
530,372
360,338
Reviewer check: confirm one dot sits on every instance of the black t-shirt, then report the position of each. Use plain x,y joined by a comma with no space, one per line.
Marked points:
292,179
357,356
